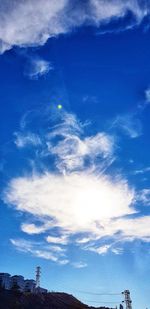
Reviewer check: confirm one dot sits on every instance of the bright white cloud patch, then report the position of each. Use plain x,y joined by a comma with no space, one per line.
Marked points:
63,240
104,10
81,203
77,197
100,250
37,67
76,202
32,22
31,228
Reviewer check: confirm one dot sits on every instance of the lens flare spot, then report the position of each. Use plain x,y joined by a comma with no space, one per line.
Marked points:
59,106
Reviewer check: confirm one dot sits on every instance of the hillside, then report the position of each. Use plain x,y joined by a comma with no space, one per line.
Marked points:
53,300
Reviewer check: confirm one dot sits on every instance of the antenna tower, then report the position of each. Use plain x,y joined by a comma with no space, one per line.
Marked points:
38,274
127,300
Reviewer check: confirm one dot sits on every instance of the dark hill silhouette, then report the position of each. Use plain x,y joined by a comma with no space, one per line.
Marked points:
16,300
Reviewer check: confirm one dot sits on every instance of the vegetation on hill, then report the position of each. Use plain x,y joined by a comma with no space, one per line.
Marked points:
18,300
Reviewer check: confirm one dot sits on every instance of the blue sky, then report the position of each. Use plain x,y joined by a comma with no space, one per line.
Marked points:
75,192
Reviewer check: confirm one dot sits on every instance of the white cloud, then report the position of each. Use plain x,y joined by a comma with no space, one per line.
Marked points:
147,95
146,102
83,240
129,124
22,245
100,250
89,208
31,228
79,264
37,67
53,253
117,250
105,10
32,23
70,147
85,204
68,124
142,171
98,217
76,202
144,196
137,228
73,151
22,140
64,262
63,240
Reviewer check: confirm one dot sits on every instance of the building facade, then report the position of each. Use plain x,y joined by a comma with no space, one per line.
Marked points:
9,282
29,285
18,281
5,280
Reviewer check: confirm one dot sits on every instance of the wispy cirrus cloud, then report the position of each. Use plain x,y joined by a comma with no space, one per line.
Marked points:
79,265
22,140
144,196
128,124
113,246
25,24
40,250
69,146
144,104
147,95
142,170
73,152
54,253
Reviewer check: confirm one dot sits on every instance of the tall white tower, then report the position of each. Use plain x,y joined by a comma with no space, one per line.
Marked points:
127,300
38,274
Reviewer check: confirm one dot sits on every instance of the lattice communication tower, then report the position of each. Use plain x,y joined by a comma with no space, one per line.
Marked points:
127,300
38,275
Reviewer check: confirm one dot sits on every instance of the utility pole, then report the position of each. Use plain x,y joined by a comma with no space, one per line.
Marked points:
127,300
38,274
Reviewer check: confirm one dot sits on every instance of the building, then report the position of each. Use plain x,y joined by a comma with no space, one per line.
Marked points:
18,281
5,280
29,285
